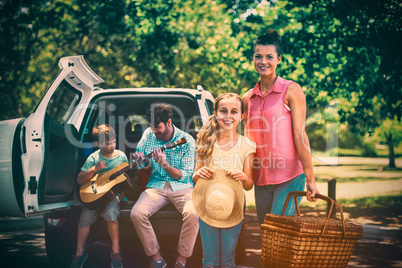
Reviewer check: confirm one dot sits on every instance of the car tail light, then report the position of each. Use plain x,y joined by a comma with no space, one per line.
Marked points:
54,221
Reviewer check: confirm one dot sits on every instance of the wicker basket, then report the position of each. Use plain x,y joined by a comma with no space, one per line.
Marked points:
295,241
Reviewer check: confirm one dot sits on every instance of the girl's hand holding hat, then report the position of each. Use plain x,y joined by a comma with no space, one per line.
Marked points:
241,176
205,173
219,202
237,175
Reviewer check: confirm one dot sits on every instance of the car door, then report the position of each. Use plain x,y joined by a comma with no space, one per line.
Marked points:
38,158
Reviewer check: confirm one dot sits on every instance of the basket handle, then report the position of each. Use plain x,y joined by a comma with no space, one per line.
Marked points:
319,196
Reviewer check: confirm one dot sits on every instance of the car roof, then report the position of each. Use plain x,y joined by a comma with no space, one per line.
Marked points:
193,92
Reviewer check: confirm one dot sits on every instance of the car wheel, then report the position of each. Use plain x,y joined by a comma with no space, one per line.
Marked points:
59,248
61,237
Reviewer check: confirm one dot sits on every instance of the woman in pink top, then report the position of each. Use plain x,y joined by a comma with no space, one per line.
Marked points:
275,120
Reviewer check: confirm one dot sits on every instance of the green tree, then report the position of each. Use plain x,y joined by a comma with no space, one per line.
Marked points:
347,49
333,49
338,49
17,35
182,44
36,34
128,43
354,53
390,130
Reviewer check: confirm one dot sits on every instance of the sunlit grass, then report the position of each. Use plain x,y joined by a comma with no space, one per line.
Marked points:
358,169
390,202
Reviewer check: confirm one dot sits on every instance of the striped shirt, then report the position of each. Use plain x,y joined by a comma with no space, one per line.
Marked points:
181,157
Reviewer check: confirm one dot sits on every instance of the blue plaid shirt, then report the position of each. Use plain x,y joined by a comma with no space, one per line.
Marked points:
181,157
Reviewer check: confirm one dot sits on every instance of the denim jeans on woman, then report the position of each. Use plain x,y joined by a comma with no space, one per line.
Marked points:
219,245
271,198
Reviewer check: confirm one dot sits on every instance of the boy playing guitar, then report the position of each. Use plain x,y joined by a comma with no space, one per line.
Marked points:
104,159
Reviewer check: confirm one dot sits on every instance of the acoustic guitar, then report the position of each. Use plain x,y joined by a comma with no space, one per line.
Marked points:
104,186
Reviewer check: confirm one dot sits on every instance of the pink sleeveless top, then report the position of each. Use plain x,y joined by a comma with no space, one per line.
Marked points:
269,125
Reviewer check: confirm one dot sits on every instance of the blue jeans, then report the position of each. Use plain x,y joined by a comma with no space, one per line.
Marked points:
219,245
271,198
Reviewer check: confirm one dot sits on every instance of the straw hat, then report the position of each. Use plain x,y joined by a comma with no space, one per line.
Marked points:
219,202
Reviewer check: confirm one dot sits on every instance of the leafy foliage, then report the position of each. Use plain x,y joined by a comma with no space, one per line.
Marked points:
36,34
344,50
352,52
182,44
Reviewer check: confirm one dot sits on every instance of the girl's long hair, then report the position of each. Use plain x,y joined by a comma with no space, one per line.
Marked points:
208,134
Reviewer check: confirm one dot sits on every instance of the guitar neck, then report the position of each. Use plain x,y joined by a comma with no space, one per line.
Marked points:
167,146
133,164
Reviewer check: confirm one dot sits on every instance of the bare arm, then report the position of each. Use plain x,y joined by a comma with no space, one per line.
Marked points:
202,172
296,100
245,101
160,158
246,175
245,105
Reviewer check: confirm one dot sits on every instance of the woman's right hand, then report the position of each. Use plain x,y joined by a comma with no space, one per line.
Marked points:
205,173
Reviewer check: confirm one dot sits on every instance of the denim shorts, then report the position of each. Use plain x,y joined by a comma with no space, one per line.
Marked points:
110,213
271,198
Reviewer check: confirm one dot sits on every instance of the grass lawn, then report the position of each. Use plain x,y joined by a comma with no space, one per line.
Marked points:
357,169
379,210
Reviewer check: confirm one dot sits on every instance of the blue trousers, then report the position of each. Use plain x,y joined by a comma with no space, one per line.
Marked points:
271,198
219,245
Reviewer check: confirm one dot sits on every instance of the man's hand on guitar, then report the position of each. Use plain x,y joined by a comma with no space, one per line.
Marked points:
138,158
160,157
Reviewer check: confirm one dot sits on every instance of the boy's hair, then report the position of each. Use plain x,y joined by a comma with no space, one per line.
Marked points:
271,37
159,113
103,133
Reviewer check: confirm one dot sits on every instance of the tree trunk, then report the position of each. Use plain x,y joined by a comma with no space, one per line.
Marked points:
391,157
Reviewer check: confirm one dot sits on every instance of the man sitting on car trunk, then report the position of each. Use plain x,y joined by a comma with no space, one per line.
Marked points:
170,181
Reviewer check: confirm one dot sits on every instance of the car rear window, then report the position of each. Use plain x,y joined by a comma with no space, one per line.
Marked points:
63,102
127,114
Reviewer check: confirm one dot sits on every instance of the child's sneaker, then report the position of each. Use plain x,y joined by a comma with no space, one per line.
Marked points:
78,261
116,261
158,264
179,265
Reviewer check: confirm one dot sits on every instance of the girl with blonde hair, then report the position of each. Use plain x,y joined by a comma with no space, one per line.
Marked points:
224,163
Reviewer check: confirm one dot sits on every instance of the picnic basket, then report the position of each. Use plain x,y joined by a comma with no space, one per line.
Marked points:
307,241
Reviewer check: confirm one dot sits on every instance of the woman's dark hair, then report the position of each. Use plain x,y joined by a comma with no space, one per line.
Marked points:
271,37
